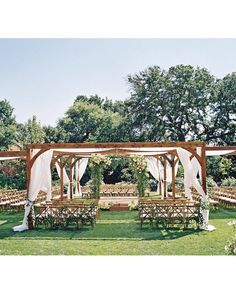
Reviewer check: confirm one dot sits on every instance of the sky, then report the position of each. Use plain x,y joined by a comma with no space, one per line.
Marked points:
42,77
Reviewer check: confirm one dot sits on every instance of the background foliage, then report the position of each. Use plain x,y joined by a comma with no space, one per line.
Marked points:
182,103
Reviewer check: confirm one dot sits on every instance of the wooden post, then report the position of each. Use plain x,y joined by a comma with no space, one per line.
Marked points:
173,177
160,184
71,178
61,179
78,180
203,156
164,177
28,169
28,177
160,191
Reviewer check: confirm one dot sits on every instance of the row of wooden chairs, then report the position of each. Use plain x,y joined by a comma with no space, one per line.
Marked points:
64,213
168,213
196,197
16,199
224,195
112,190
10,197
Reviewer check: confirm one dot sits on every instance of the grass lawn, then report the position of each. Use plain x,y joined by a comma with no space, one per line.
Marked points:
116,233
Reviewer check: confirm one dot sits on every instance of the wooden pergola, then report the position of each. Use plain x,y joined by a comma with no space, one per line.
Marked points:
118,148
70,156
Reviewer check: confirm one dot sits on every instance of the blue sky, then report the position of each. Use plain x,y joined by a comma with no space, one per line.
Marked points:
42,77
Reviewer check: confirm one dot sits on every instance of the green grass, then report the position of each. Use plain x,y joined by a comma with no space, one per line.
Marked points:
116,233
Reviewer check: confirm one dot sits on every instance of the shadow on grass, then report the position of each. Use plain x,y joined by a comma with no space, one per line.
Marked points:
223,213
120,231
114,225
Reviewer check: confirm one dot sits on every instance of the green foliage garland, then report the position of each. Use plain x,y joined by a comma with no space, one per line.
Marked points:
97,164
138,166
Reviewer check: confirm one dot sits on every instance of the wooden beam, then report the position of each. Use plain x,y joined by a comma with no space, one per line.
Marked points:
220,148
37,155
22,154
115,145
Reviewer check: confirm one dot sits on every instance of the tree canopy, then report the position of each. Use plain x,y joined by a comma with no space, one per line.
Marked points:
182,103
7,125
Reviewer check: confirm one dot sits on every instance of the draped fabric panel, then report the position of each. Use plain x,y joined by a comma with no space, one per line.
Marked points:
40,180
66,180
156,169
196,165
169,171
190,177
65,176
152,165
80,169
69,184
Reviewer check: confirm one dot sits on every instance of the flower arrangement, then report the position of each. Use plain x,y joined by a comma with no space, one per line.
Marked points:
203,212
138,165
230,247
106,206
133,205
97,164
205,204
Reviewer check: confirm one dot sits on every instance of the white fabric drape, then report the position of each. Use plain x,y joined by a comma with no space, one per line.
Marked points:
80,168
65,176
66,180
190,177
152,166
196,165
69,184
156,169
219,152
40,180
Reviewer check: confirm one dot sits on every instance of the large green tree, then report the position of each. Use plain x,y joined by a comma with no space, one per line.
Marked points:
7,125
171,105
54,134
223,114
31,132
86,121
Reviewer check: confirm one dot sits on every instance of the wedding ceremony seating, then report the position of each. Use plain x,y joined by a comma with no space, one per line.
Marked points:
224,195
112,190
62,213
168,212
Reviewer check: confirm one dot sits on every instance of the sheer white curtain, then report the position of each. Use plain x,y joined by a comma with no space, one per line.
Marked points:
40,180
156,168
190,179
190,174
169,171
80,168
66,180
196,165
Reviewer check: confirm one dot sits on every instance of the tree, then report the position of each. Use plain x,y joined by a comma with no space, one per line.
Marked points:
223,127
31,132
7,125
54,134
89,122
171,105
220,167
